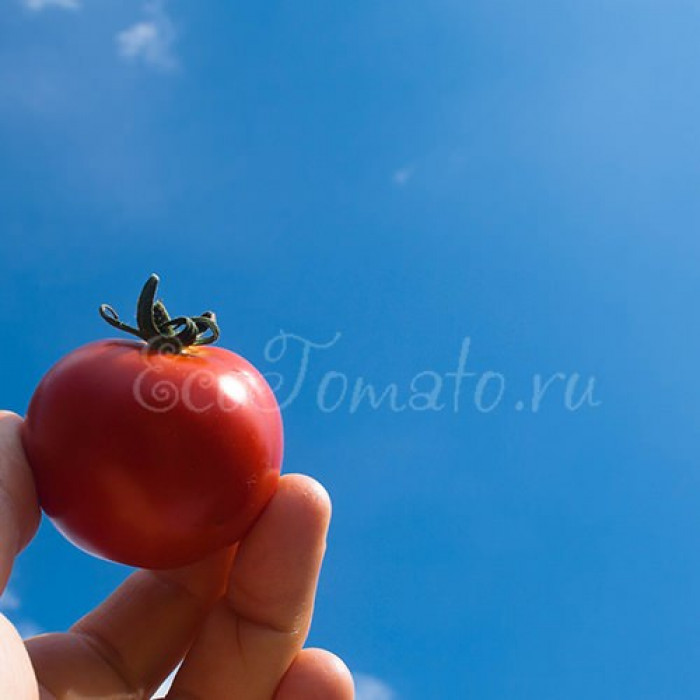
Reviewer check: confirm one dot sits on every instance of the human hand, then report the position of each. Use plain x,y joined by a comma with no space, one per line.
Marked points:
239,618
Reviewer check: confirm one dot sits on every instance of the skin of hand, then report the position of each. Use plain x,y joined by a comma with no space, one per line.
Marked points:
238,619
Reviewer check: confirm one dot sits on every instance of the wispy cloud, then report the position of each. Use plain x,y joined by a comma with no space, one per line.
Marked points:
370,688
37,5
11,603
166,684
9,600
151,40
28,628
403,175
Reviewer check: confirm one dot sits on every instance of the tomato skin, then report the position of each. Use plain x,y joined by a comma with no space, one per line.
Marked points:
149,459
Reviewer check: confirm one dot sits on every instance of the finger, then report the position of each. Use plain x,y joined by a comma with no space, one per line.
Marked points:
130,643
316,674
17,678
19,509
250,638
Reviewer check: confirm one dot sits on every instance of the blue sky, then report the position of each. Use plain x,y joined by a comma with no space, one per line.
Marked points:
406,175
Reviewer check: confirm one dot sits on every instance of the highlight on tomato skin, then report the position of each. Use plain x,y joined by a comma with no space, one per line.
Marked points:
158,451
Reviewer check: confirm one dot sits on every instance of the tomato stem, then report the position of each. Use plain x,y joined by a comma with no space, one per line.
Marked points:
154,325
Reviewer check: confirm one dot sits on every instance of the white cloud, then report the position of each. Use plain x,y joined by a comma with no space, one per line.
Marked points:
371,688
37,5
28,628
9,600
165,685
403,175
11,603
151,40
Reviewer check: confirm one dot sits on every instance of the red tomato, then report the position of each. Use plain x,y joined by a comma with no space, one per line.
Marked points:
154,458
